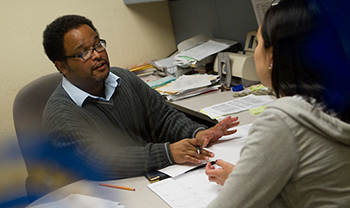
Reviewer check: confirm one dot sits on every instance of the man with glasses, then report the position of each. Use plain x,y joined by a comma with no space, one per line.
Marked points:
106,123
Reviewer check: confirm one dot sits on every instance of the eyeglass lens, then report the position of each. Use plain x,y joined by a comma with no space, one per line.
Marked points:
99,47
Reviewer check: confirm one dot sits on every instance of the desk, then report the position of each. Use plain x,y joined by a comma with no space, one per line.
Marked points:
144,197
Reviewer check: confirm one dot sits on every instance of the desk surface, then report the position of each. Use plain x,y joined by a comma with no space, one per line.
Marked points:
144,197
141,197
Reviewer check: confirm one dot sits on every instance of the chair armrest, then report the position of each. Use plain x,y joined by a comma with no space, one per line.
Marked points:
39,184
46,180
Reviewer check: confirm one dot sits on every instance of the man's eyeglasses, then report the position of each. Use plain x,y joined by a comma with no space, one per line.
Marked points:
275,2
88,53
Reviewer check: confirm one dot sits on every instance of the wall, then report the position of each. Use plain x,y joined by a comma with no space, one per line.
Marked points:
134,34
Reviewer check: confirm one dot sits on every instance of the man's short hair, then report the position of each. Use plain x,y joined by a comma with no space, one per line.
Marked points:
54,33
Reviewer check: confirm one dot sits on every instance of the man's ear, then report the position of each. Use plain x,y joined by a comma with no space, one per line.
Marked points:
61,66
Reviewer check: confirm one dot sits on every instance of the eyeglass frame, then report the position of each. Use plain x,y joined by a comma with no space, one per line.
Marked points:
102,43
275,2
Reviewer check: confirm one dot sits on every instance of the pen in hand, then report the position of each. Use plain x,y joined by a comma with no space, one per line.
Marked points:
198,150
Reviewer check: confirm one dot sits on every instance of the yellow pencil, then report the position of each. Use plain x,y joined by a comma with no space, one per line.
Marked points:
119,187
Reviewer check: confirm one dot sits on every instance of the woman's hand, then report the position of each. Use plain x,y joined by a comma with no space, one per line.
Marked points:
219,175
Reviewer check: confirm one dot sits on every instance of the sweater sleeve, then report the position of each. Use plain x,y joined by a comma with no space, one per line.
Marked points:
266,164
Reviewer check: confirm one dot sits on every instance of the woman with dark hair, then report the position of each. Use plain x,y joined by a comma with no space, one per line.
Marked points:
297,152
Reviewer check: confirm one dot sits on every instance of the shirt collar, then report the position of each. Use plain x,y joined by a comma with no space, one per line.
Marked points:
79,96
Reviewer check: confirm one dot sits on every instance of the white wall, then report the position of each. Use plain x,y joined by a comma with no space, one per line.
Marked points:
134,34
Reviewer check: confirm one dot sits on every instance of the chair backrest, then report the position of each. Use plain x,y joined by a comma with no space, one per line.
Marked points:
28,109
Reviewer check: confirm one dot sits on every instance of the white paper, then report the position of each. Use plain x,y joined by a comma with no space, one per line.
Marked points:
80,201
260,7
167,64
192,190
227,148
190,93
190,82
236,105
204,50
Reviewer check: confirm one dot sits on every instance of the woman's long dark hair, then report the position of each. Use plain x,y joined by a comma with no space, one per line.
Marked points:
308,57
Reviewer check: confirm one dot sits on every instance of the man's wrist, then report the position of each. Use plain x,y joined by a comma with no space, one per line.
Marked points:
168,153
194,135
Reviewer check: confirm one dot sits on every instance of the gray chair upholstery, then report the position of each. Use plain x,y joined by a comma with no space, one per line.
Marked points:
27,114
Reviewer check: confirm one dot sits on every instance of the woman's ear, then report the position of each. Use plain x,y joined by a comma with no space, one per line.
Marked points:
61,66
270,50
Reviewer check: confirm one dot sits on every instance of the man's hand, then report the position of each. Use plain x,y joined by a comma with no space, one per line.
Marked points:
216,132
219,175
186,151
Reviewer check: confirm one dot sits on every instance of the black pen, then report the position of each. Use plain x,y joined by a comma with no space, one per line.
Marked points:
200,166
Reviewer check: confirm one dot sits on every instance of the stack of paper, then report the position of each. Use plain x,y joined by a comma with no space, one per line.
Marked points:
142,69
202,51
190,93
189,55
188,86
167,65
161,82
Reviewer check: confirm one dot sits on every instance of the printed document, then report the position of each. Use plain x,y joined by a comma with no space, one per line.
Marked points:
260,7
190,82
236,105
191,190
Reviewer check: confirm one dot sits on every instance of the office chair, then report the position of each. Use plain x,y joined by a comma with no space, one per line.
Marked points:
28,109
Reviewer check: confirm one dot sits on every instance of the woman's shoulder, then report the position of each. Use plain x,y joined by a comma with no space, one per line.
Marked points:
291,104
289,100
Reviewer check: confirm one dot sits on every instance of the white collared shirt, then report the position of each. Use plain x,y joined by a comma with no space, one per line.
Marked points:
79,96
